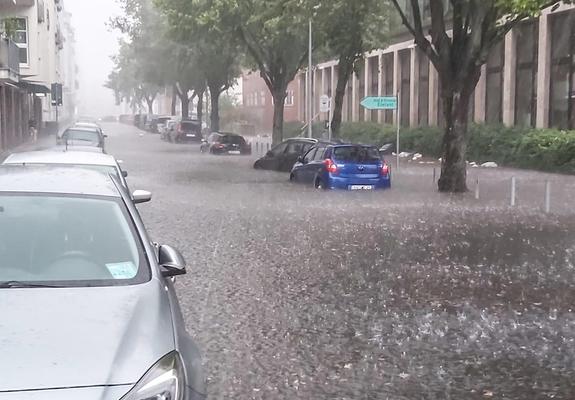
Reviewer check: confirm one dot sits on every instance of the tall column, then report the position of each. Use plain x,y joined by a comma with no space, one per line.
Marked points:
414,88
354,98
366,87
543,71
480,90
324,116
396,82
433,95
509,74
380,78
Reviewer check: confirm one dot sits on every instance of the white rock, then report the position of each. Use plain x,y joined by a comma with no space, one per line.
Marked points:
404,154
489,164
473,164
417,156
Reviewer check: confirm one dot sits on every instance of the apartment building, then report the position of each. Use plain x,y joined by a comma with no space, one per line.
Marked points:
529,80
40,33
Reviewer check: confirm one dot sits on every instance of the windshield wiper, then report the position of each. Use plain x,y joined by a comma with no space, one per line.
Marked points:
21,284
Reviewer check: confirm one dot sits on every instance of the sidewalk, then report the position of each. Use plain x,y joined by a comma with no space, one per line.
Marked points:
43,142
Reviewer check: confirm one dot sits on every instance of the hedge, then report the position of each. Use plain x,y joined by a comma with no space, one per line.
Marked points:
540,149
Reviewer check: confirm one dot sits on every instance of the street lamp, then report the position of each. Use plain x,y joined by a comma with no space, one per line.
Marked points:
309,92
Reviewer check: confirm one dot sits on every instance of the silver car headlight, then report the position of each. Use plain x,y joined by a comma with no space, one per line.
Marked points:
164,381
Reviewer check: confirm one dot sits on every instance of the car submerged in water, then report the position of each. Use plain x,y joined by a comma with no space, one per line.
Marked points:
342,166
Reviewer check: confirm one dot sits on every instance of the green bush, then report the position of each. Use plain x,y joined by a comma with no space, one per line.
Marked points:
541,149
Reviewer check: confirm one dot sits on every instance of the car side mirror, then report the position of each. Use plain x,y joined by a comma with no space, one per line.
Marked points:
171,262
125,174
141,196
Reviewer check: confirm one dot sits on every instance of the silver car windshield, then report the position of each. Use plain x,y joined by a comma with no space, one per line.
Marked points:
81,135
68,241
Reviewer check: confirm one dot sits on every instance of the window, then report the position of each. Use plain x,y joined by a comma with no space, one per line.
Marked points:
68,241
423,101
21,39
349,100
295,147
526,77
289,101
387,88
356,154
310,155
405,67
562,91
373,82
320,155
263,97
361,88
279,149
494,96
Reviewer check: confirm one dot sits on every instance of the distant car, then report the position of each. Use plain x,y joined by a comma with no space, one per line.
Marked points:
148,124
283,156
226,143
77,136
90,298
99,162
342,166
83,125
187,131
166,129
156,122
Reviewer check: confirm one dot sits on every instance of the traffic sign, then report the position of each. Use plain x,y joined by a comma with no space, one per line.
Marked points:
380,103
324,103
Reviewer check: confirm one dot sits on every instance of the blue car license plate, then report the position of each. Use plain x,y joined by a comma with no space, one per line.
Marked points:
361,187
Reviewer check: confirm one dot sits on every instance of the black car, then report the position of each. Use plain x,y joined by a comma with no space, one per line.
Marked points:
283,156
226,143
187,131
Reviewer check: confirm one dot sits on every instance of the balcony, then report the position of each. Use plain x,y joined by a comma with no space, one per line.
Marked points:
9,61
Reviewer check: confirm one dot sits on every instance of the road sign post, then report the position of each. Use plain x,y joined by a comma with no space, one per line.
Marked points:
386,103
325,107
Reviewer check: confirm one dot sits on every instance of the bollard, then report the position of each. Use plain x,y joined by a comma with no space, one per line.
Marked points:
547,196
477,189
434,175
513,191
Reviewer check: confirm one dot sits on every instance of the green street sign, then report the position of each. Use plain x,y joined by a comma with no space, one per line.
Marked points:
380,103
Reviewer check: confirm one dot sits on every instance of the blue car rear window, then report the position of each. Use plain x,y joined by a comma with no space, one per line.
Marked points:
356,154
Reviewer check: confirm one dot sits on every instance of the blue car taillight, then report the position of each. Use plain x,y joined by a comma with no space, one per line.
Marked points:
330,166
384,169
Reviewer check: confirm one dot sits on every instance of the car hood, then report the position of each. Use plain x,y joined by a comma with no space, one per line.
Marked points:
75,337
86,393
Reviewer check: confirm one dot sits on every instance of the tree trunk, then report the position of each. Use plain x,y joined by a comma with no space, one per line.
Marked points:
456,112
200,107
174,99
345,69
279,96
185,101
215,93
150,103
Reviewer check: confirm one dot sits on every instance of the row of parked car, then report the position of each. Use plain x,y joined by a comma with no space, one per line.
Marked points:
329,165
90,297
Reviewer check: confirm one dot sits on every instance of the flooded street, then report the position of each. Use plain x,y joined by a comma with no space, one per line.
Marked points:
294,293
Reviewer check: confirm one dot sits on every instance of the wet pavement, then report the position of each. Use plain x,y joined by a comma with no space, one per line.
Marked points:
294,293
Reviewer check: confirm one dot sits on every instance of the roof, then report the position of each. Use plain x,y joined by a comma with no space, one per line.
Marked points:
305,139
56,180
61,157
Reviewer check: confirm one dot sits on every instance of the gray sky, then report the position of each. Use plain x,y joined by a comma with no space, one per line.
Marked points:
95,44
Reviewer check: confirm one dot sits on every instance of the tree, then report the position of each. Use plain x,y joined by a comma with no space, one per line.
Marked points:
351,29
215,50
461,35
272,32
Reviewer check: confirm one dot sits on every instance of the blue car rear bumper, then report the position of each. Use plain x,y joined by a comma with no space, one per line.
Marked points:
337,182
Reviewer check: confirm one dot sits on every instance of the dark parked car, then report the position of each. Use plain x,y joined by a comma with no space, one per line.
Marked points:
226,143
187,131
342,166
283,156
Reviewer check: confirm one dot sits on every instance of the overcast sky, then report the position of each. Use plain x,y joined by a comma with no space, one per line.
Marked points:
95,44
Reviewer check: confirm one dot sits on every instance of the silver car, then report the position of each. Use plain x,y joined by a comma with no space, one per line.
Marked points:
100,162
87,301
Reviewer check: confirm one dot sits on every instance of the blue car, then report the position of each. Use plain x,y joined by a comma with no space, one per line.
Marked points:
342,166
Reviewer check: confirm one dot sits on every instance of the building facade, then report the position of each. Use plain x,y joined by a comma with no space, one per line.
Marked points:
43,38
528,80
258,103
